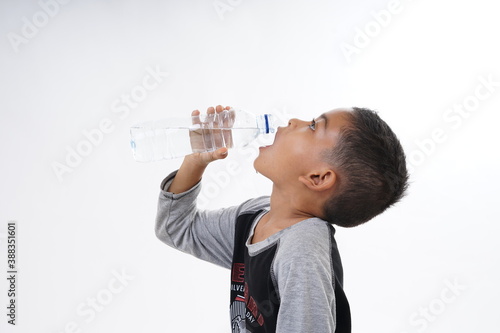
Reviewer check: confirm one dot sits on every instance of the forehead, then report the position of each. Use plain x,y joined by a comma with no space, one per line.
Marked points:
337,118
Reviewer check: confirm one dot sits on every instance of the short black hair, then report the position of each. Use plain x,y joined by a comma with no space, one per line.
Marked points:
371,167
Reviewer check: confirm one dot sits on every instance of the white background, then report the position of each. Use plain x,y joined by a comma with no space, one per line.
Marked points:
79,228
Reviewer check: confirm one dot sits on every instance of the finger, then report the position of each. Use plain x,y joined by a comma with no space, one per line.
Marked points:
195,133
227,123
232,116
208,120
217,124
195,117
220,153
207,129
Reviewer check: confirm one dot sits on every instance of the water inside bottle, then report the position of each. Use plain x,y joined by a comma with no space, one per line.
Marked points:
205,137
168,143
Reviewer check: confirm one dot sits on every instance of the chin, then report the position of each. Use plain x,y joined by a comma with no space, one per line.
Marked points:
258,165
262,166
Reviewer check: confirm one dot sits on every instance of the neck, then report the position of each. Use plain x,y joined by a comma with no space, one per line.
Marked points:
285,209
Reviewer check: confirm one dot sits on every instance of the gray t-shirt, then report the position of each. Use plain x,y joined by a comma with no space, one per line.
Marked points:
289,282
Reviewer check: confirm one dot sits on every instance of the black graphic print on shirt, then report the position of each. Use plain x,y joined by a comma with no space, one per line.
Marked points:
254,301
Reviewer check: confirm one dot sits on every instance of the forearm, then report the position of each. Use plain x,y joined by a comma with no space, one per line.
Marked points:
189,174
192,169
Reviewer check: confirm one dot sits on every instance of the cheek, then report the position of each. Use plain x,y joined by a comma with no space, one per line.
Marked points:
289,153
303,156
297,150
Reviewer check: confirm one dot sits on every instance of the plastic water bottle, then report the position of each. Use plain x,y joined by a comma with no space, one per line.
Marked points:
177,137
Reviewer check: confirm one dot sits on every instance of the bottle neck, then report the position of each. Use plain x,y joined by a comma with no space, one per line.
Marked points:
265,123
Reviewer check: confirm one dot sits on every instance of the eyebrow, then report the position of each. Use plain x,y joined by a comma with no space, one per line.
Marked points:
325,119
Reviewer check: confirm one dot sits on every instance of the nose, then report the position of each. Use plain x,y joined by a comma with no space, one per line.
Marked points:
293,122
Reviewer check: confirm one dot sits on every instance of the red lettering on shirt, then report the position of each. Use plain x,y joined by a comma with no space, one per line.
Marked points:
238,272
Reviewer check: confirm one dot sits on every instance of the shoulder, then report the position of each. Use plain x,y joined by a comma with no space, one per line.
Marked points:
305,241
254,205
232,213
311,233
304,253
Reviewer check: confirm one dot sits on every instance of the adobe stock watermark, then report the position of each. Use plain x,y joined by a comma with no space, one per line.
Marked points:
429,313
453,117
363,36
216,182
223,6
121,108
88,310
31,27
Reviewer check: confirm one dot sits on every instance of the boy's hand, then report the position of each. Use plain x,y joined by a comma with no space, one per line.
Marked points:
209,136
194,165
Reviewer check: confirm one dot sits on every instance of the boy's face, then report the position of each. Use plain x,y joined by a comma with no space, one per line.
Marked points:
297,148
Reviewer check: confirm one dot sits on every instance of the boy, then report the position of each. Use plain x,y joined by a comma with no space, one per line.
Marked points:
343,168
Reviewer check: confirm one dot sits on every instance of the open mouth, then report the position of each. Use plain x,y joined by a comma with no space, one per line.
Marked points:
267,143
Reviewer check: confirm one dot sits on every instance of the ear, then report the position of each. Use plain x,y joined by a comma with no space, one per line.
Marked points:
319,180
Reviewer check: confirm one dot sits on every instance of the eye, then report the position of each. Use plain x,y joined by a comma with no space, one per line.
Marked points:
313,125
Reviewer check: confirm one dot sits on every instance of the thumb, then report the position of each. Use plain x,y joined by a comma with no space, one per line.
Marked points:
214,155
220,153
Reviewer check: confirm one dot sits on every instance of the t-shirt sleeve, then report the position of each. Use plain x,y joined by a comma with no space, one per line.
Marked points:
304,277
205,234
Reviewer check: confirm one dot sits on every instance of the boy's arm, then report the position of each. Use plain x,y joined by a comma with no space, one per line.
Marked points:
179,224
304,276
208,235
